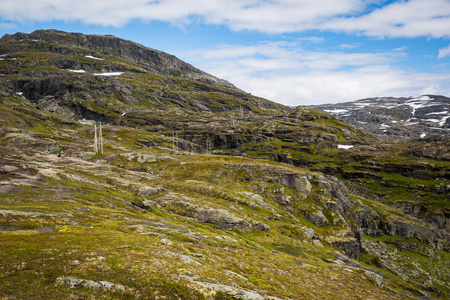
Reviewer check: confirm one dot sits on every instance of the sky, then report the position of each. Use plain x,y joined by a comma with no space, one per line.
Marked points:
294,52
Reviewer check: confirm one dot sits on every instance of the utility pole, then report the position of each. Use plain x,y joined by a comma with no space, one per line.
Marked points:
100,133
95,138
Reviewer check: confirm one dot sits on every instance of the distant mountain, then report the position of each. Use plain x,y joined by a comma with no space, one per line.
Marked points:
393,118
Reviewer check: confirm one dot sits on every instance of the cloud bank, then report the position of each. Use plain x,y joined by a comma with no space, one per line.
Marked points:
287,73
412,18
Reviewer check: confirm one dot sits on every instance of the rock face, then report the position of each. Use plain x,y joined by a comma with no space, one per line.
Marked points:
150,59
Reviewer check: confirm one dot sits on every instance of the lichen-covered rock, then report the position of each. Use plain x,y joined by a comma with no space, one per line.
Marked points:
296,182
309,232
222,218
284,200
72,283
378,280
318,218
147,191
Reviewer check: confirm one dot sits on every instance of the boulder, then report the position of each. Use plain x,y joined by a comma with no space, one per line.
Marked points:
284,200
147,191
222,218
317,218
296,182
309,232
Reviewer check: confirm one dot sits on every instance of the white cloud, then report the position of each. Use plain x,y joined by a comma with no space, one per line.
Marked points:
444,52
286,73
432,89
347,46
412,18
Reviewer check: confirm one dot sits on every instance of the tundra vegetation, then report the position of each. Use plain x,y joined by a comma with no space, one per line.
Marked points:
202,191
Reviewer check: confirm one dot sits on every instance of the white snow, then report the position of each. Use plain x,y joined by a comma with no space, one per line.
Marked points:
109,74
423,135
384,126
438,113
443,120
395,122
432,120
93,57
337,111
345,147
19,93
77,71
123,114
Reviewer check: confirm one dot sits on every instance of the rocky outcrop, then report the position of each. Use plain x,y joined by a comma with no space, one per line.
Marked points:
374,224
185,206
72,283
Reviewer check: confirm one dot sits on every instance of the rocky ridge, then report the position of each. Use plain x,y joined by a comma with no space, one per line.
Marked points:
397,118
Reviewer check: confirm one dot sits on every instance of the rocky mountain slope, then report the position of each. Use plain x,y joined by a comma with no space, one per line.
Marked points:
394,118
202,191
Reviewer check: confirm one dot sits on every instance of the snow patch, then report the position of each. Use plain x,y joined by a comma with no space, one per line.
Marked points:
423,135
93,57
438,113
345,147
77,71
109,74
443,120
337,111
395,122
19,93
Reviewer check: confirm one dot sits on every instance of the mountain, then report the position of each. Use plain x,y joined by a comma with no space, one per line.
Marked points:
394,118
200,190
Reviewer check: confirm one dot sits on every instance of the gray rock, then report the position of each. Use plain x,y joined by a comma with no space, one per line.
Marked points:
256,199
235,292
316,243
309,232
284,200
260,226
147,191
375,277
317,218
222,218
72,283
166,242
295,182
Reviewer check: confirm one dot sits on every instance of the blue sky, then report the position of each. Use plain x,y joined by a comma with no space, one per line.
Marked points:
295,52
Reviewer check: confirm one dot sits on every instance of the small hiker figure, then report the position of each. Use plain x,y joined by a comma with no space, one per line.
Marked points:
59,153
